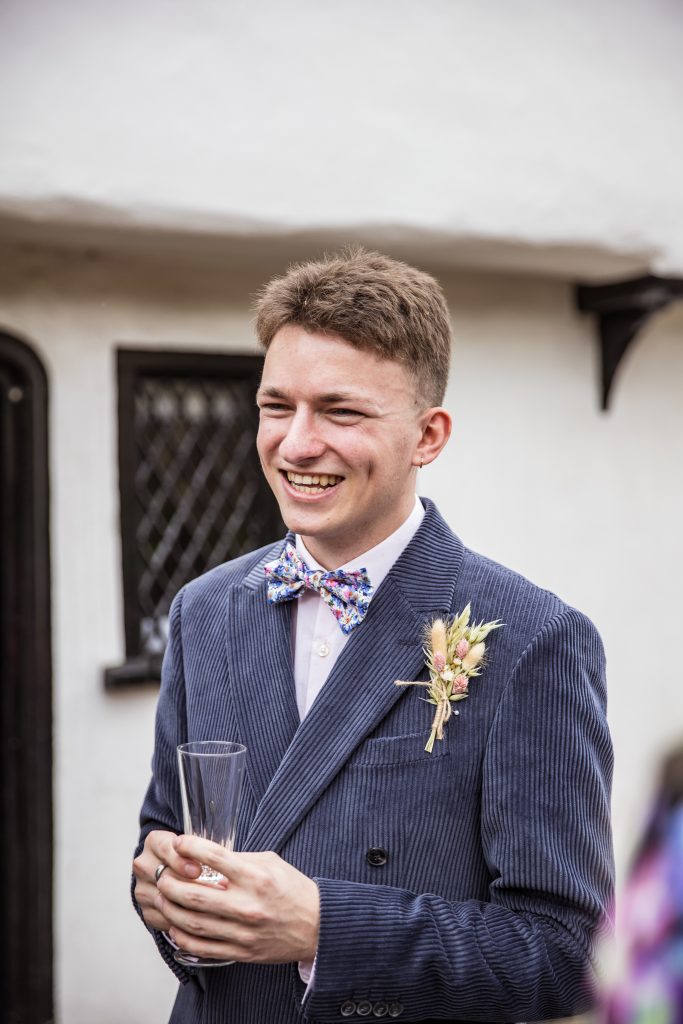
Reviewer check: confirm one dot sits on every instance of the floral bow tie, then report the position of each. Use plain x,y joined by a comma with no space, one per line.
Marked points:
347,594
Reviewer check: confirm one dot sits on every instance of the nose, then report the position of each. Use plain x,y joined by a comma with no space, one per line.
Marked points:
302,442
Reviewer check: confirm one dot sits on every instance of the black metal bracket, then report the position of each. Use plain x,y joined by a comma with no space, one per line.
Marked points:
623,309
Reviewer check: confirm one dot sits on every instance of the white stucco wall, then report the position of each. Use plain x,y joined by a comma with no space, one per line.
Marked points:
543,135
587,504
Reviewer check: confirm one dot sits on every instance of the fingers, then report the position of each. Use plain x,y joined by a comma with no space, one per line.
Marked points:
228,911
269,912
204,898
236,867
145,897
155,920
159,848
194,921
201,923
213,948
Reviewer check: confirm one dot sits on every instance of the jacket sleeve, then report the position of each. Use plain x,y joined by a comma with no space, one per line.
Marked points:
160,808
528,952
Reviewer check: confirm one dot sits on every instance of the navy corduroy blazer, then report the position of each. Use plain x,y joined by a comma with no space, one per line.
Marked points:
491,871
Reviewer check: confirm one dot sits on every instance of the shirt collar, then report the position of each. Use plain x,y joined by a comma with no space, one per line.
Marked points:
378,560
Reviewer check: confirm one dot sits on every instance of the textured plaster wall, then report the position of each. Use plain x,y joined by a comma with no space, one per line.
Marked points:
587,504
456,122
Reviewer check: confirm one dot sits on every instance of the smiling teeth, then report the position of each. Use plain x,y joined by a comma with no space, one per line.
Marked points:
313,482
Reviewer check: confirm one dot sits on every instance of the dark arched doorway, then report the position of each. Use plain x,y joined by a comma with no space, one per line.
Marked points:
25,691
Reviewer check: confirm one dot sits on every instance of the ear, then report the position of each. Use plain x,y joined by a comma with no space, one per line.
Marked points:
435,425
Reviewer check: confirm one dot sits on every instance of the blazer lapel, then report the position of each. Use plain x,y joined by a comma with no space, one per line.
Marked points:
259,649
360,690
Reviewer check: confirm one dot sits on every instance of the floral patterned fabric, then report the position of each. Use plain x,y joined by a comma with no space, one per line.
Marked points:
347,594
650,990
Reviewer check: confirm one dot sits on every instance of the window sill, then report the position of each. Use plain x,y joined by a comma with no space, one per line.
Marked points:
143,668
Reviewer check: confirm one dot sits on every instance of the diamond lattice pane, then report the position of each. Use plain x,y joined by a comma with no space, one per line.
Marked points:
200,498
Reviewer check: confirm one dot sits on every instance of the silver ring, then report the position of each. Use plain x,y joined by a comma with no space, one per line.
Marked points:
157,873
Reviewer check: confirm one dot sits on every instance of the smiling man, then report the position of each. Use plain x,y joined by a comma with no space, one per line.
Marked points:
342,433
378,875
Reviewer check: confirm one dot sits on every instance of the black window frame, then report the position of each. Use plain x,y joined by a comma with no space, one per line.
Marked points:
132,364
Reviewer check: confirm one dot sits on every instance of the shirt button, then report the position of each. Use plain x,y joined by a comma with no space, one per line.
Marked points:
376,857
364,1008
395,1009
348,1008
323,649
380,1009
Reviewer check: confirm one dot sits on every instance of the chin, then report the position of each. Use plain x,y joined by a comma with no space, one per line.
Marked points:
299,520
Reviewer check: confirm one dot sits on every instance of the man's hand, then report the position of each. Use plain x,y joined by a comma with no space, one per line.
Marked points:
266,912
158,849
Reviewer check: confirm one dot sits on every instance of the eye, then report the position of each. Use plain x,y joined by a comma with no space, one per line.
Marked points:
273,408
344,413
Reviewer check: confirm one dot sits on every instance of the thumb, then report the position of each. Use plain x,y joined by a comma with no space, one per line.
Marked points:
212,854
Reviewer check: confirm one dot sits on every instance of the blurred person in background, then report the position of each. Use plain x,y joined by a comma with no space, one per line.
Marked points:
649,989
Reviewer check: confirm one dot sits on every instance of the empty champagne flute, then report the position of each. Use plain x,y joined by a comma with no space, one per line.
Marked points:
211,773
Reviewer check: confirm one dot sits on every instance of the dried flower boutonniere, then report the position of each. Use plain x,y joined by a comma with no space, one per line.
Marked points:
455,654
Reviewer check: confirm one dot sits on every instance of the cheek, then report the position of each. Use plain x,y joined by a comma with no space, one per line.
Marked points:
390,461
266,441
357,446
361,462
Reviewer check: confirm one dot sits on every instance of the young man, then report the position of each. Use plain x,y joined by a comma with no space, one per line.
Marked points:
465,882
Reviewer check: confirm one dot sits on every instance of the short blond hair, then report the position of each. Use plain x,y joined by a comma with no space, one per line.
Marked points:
371,301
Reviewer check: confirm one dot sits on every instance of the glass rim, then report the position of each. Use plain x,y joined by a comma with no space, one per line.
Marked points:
235,748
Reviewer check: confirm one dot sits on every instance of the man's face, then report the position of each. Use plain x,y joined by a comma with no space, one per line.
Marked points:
337,441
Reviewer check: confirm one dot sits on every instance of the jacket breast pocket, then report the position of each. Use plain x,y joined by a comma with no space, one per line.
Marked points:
388,751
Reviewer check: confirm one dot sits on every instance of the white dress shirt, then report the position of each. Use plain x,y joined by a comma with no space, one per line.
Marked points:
318,640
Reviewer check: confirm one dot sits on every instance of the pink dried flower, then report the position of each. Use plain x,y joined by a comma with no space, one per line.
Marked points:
460,684
439,661
462,648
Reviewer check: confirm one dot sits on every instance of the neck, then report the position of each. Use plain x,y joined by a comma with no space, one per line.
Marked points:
331,556
334,552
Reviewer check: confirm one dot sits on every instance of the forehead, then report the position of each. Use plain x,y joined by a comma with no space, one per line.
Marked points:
326,363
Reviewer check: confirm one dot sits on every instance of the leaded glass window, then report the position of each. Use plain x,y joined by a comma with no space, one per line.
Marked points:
192,492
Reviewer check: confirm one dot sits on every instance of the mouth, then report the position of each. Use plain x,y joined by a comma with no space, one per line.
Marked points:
312,483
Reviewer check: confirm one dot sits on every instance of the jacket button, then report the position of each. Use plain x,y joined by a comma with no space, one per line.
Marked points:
376,857
380,1009
348,1008
364,1008
395,1009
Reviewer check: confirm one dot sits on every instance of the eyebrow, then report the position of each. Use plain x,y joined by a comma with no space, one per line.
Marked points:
271,392
330,398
